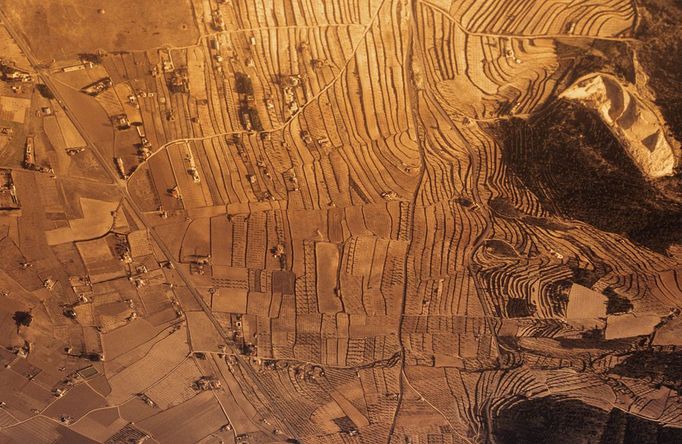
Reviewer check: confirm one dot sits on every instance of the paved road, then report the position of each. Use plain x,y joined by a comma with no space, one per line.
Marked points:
111,172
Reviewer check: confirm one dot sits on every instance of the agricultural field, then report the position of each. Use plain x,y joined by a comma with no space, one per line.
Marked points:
349,221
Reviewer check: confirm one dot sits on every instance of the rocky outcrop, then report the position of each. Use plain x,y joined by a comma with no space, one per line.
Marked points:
636,123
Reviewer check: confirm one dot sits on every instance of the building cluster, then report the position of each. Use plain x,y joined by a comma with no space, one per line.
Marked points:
248,113
30,157
98,87
178,81
9,72
8,193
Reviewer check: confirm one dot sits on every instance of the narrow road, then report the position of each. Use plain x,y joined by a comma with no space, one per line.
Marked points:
111,172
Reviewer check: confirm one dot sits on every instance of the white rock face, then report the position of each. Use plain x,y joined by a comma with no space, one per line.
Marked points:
635,124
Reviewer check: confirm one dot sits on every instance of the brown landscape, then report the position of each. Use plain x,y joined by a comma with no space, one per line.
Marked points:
340,221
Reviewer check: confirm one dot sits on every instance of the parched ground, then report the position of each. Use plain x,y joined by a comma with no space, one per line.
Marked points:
60,28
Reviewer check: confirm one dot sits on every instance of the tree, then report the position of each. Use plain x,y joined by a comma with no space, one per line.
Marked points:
22,318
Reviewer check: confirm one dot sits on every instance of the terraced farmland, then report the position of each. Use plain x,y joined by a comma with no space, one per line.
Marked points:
350,221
